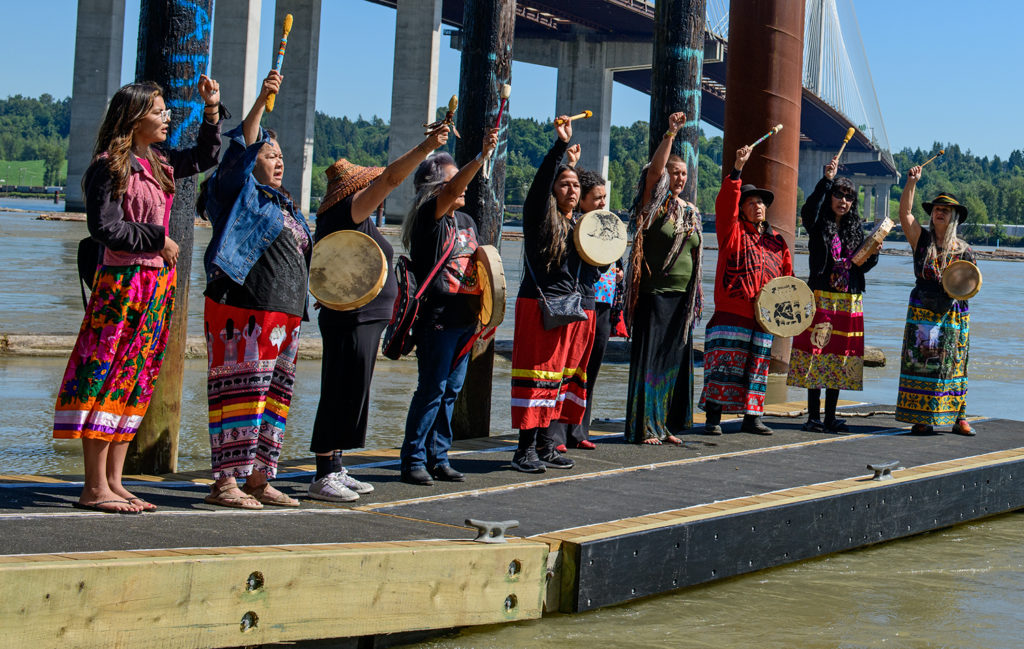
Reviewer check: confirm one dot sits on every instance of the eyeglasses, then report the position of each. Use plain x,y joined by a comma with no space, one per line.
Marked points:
165,115
840,194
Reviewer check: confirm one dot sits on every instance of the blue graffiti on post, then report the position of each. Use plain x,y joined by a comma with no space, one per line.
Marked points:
187,68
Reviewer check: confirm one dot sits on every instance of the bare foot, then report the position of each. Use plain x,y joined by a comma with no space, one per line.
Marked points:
672,439
652,441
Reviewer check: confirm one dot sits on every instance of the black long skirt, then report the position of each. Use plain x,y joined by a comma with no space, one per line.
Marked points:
660,398
350,355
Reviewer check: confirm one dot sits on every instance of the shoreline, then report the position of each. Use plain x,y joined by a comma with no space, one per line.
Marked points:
311,348
800,245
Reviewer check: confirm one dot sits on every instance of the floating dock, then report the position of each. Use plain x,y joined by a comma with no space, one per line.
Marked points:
628,522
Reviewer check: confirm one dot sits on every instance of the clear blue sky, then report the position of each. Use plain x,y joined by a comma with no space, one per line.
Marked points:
944,70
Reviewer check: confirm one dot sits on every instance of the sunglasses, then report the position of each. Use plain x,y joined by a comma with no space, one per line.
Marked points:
840,194
165,115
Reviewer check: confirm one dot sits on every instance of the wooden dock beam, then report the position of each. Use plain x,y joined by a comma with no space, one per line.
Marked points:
228,597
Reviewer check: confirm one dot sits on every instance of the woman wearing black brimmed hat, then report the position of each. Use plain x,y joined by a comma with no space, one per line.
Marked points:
737,350
933,365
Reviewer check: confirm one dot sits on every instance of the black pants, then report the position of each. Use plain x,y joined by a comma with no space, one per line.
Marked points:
350,354
562,433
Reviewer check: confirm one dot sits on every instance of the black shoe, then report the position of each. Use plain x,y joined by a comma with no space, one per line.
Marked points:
753,424
445,473
813,426
712,419
836,426
418,477
555,460
527,462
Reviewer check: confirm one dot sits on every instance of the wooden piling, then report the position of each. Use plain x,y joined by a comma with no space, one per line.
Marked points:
174,49
676,79
486,66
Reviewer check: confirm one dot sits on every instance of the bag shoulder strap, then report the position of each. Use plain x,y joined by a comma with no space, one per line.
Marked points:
440,262
526,260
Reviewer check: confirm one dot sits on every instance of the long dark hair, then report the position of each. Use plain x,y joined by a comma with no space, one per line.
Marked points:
129,105
555,230
427,181
851,233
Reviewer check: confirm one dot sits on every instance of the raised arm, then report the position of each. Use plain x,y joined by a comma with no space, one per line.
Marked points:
727,203
460,181
811,210
662,153
366,200
911,228
206,152
540,188
251,123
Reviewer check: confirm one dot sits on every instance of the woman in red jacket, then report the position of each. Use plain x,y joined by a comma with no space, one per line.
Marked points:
737,350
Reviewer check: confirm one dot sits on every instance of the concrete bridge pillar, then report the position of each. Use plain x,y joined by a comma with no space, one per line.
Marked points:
413,88
295,106
99,37
236,44
882,200
585,83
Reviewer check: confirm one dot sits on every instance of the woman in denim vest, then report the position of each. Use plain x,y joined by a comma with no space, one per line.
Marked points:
257,268
129,188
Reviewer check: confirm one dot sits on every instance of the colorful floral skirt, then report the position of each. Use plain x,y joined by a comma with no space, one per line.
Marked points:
251,377
737,354
933,365
831,353
660,395
108,382
549,369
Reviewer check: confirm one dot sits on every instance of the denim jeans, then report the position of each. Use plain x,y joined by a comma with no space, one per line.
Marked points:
428,428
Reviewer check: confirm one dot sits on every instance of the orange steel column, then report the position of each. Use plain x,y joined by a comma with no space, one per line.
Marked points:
763,88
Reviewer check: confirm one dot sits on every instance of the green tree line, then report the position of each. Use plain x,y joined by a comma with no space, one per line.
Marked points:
365,142
36,129
992,188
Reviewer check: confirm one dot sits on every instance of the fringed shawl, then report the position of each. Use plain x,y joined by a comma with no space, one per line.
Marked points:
663,205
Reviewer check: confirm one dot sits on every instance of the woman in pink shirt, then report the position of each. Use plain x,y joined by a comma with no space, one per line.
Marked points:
129,188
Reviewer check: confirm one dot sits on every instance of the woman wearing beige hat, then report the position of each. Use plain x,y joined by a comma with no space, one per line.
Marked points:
351,337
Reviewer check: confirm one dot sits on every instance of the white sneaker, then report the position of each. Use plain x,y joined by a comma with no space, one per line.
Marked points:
343,478
328,488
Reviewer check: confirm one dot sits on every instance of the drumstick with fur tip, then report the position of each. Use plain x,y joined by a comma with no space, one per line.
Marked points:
941,152
506,92
775,129
280,57
584,115
849,134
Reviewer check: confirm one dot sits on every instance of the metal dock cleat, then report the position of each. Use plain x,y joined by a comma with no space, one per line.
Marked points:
491,531
883,470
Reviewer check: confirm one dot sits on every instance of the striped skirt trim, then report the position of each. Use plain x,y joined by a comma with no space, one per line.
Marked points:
251,377
736,359
933,365
830,354
549,369
108,383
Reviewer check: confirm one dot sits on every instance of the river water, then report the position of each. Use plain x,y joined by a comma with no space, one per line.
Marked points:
956,588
